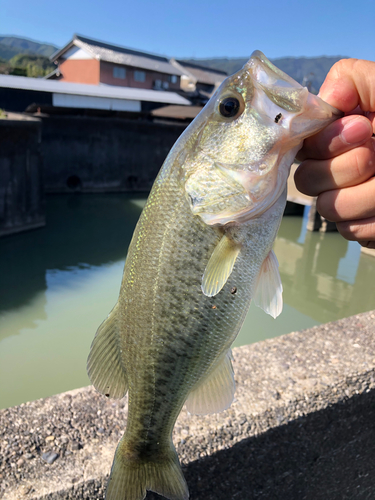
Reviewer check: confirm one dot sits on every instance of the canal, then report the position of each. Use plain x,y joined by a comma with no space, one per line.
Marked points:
57,284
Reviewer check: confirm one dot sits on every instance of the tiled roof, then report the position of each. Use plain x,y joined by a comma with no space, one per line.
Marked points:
119,55
203,74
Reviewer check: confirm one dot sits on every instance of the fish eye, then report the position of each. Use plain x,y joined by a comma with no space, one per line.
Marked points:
231,107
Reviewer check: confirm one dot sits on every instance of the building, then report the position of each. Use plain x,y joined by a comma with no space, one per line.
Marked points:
199,82
19,93
84,60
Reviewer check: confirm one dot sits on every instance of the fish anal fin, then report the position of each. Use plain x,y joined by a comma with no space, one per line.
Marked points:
220,266
216,391
269,289
104,365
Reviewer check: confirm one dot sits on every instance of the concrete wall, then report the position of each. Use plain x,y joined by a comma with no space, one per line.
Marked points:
91,154
21,176
301,427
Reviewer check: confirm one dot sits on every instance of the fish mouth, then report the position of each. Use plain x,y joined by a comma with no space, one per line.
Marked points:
288,94
280,114
267,74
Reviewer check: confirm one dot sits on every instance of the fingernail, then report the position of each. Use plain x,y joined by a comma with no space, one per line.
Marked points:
357,130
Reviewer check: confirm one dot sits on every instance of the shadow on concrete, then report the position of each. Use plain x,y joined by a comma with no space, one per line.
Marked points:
327,455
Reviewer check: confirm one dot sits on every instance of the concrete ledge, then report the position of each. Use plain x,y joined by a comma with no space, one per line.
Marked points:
25,227
368,251
301,428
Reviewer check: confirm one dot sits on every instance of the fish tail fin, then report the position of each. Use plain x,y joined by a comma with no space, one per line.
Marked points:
131,476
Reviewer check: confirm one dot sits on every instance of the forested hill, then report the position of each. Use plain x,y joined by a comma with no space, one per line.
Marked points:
11,46
24,57
310,71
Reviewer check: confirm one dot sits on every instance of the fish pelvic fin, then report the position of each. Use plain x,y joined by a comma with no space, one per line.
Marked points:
269,289
220,266
104,364
215,392
132,476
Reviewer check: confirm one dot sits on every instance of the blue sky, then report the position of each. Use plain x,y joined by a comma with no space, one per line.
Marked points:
202,28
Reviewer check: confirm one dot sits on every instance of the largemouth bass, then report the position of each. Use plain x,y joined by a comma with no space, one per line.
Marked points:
202,249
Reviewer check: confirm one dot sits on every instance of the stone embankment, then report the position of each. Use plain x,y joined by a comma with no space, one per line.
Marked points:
301,428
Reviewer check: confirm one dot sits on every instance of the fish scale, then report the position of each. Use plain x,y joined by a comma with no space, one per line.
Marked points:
201,251
177,327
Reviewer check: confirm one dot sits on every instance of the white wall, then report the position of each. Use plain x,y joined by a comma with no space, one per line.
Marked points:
77,53
82,101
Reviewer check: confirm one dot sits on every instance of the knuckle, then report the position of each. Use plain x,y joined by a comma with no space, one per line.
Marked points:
325,205
347,230
358,163
363,162
369,158
359,230
306,180
366,159
342,67
299,177
321,150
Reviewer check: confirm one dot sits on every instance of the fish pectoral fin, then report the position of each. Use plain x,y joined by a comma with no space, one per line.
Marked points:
269,289
104,365
220,266
216,391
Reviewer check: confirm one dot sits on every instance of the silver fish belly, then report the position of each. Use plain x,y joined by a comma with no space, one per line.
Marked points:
201,251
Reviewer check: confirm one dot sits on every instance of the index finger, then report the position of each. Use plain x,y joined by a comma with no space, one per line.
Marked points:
339,137
350,83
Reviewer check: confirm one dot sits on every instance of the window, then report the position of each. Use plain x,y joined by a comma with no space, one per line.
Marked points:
173,78
119,72
139,76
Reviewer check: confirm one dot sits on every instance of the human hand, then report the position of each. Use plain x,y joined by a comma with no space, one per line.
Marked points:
339,162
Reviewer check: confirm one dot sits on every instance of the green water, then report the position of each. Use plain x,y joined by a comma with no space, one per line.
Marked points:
57,284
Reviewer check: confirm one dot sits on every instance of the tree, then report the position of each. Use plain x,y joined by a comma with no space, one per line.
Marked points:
33,66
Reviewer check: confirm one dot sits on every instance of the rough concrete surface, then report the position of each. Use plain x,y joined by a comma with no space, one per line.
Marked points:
302,427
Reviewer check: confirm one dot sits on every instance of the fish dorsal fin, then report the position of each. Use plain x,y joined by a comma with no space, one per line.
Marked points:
269,290
220,266
104,365
216,391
